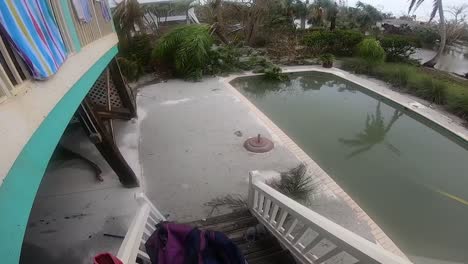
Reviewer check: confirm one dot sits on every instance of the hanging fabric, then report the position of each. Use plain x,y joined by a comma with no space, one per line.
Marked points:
105,10
82,10
31,29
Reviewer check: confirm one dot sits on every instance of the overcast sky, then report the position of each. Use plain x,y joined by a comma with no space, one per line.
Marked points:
400,7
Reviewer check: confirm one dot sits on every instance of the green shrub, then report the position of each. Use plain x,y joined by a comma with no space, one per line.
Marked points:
432,90
140,47
355,65
226,59
339,42
426,37
327,59
131,68
396,74
274,73
187,49
371,51
397,48
458,104
135,59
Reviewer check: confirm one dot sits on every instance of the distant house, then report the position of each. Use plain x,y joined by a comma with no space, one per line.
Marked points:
168,13
399,24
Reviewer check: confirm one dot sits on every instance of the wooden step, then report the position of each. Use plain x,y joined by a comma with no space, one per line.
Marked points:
220,219
267,250
283,257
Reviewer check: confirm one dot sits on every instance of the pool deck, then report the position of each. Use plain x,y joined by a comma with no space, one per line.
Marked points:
191,152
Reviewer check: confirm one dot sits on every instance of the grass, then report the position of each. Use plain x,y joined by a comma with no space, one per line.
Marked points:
434,86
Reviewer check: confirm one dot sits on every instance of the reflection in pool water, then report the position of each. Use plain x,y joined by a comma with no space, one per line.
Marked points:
408,177
374,133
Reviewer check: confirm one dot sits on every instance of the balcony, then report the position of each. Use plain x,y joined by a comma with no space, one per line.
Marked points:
35,111
25,102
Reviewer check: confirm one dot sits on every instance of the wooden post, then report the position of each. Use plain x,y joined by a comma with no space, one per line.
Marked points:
125,92
97,132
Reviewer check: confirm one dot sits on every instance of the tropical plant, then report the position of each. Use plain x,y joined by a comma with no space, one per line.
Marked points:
432,90
457,26
437,8
187,49
128,20
295,183
458,104
397,48
370,50
327,60
368,15
374,133
425,37
130,68
274,73
320,11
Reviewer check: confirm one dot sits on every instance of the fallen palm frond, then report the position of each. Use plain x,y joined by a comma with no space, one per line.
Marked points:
231,201
295,183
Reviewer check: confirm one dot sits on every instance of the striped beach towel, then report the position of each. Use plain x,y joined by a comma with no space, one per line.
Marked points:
31,29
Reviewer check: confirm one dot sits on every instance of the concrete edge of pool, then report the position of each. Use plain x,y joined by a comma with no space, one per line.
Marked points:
403,100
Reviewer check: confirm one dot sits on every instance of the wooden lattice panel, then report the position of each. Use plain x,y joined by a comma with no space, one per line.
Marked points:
98,93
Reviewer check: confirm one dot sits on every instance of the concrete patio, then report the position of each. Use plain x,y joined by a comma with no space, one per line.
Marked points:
191,151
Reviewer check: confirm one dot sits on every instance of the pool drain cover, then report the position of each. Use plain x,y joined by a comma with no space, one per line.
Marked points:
258,144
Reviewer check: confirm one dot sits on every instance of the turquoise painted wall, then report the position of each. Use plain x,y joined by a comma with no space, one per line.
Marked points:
19,188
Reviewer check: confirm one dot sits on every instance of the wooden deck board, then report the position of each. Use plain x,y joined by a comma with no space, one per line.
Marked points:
234,225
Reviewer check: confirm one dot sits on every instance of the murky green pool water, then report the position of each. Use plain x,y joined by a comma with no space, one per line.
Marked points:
411,179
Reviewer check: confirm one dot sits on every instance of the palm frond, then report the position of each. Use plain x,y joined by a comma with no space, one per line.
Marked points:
435,8
187,49
295,183
232,201
414,5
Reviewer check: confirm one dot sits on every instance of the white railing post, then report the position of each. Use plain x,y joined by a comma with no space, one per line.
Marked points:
304,232
250,198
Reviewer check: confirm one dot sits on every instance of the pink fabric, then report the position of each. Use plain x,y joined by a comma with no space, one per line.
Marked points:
106,258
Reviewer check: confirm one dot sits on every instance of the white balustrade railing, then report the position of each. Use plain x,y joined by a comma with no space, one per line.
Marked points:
141,228
310,237
13,72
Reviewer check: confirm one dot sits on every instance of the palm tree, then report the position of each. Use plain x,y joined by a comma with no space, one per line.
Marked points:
437,8
128,15
374,133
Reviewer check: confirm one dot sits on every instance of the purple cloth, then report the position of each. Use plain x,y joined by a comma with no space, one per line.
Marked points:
182,244
166,244
105,10
82,10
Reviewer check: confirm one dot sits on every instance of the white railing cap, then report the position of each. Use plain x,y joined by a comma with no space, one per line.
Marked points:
308,216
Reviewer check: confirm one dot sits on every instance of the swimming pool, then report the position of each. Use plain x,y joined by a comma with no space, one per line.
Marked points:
408,175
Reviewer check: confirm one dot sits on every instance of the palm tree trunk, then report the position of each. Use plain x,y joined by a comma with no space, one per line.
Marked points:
303,22
443,37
